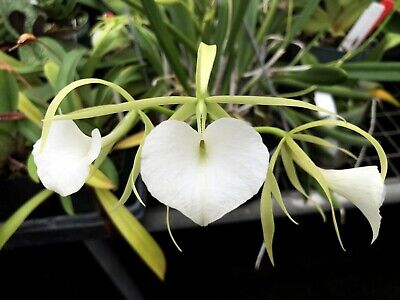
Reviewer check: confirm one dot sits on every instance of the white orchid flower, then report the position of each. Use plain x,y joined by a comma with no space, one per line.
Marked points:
63,163
204,175
364,187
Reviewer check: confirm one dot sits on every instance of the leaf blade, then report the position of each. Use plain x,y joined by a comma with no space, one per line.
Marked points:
8,228
134,233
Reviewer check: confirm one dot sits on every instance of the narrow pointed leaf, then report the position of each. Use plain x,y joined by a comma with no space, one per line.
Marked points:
99,180
134,233
165,40
31,112
130,142
8,228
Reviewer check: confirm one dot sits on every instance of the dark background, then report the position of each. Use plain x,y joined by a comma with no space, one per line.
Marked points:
218,263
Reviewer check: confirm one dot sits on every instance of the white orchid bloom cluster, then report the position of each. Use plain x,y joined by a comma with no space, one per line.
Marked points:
205,173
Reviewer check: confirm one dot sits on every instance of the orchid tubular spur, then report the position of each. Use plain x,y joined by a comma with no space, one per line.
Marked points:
364,187
64,160
204,175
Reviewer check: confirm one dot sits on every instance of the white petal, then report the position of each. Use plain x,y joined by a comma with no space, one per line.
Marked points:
362,186
204,186
63,164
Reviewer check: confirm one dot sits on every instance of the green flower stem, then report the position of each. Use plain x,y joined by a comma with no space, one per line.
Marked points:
127,106
271,130
121,129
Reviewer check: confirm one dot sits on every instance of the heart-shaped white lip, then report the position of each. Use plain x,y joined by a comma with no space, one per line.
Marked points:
204,176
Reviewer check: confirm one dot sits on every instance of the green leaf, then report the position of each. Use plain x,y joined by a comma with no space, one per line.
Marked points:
40,94
98,180
67,205
323,75
336,90
389,41
183,20
164,38
5,58
68,68
130,141
29,132
374,71
220,35
51,71
8,228
118,75
8,104
265,27
110,171
149,47
9,93
301,19
241,7
31,112
134,233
